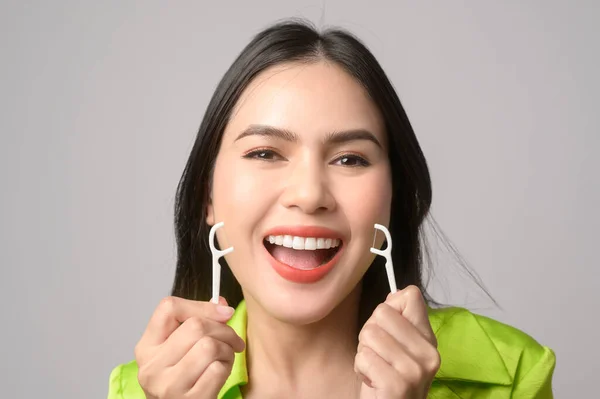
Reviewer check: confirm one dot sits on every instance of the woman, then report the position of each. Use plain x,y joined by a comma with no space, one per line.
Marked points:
305,144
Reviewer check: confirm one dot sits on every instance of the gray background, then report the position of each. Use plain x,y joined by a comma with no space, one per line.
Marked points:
100,105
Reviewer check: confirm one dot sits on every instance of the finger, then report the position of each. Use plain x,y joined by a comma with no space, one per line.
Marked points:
401,331
190,332
196,362
384,345
382,376
223,301
364,379
172,311
411,305
211,381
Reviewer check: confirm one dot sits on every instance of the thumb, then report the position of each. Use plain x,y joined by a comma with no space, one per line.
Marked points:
223,301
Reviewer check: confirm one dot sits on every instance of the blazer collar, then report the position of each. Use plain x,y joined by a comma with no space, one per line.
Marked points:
466,350
239,371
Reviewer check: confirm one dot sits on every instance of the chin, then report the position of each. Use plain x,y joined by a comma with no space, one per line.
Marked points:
299,304
300,312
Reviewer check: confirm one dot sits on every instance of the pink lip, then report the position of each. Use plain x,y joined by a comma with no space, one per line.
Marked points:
304,231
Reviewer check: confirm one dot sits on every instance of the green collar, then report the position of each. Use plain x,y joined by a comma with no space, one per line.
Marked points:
468,352
467,349
239,372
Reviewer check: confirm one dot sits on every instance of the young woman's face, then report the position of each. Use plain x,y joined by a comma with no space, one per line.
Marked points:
303,163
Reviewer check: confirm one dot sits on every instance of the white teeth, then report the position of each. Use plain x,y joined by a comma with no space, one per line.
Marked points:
288,241
304,243
320,243
298,243
310,244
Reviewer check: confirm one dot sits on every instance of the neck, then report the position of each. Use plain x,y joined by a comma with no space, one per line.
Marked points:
309,358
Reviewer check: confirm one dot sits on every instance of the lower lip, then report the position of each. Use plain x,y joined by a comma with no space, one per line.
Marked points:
303,276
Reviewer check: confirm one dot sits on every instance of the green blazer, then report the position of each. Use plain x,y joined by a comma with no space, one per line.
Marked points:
481,358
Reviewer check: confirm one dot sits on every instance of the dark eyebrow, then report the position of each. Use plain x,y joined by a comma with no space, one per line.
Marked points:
331,138
269,131
351,135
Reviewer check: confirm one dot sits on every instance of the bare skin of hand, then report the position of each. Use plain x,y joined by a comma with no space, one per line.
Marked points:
187,350
397,354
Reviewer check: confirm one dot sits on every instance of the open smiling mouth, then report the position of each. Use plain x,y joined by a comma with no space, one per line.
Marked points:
302,259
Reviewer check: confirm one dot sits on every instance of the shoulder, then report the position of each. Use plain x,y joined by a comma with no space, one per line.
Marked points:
477,350
123,382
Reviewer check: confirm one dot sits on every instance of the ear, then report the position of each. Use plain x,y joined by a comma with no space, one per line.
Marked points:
210,212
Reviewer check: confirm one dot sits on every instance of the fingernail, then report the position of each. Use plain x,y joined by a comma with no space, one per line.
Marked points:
225,310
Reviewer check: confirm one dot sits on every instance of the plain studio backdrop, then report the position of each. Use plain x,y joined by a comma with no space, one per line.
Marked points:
101,102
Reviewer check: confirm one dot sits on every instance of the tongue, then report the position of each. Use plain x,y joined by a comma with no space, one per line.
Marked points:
299,259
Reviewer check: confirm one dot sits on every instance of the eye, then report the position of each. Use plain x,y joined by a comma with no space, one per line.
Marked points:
351,160
263,154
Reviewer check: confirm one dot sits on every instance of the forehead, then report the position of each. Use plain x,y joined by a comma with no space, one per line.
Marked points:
315,98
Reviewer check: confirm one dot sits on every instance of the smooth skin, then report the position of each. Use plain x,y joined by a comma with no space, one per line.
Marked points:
187,350
397,353
304,334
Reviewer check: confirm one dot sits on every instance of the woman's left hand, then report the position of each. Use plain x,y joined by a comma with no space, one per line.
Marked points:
397,353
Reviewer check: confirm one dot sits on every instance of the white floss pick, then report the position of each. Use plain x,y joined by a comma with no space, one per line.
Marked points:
216,266
387,254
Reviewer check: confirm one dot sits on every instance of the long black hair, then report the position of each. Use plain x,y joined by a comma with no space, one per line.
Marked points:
299,42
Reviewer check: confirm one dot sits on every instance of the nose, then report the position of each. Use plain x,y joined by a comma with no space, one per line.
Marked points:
307,189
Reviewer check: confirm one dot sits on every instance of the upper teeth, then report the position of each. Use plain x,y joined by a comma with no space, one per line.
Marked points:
308,243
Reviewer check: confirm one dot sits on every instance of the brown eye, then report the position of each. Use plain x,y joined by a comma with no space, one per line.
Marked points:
351,160
263,154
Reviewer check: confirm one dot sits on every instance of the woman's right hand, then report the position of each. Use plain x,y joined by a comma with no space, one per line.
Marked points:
187,350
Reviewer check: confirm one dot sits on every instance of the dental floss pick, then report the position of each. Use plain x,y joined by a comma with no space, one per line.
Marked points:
387,254
216,266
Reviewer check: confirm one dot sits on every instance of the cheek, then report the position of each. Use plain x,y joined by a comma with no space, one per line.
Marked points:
234,187
240,198
368,202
